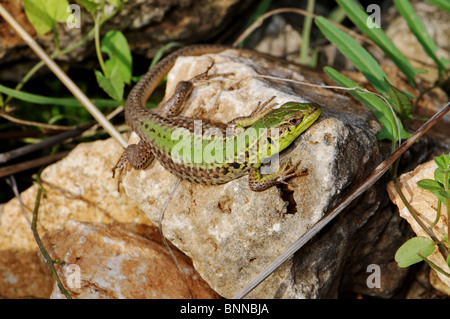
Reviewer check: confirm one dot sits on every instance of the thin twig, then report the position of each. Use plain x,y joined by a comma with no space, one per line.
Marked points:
38,124
20,167
7,156
164,238
12,183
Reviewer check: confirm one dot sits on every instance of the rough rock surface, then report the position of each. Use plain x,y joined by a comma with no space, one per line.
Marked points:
109,261
232,233
80,194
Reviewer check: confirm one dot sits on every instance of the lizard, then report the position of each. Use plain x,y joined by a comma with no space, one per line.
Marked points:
276,129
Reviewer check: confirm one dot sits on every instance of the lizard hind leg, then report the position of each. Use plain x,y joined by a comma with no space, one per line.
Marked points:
205,76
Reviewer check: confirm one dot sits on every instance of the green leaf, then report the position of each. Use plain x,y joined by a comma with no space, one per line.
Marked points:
408,253
416,26
443,161
374,103
400,102
443,4
430,184
116,46
444,193
113,85
44,14
116,3
436,186
377,35
89,5
159,55
362,60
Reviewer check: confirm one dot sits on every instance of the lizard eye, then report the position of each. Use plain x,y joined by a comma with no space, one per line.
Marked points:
293,121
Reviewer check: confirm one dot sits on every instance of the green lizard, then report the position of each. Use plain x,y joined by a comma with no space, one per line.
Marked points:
272,130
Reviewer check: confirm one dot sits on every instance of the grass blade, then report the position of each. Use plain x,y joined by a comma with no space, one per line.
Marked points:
416,26
362,60
39,99
377,35
443,4
374,103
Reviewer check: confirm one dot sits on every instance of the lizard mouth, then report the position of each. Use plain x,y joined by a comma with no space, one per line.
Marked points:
311,116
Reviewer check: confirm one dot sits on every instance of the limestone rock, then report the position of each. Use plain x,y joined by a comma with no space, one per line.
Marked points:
78,188
425,203
109,261
230,232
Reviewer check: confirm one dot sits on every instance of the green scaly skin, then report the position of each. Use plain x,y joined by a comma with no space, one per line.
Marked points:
271,129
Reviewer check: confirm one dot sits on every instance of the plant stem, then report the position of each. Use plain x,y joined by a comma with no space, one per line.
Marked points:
448,208
50,261
97,46
438,214
433,265
56,39
306,34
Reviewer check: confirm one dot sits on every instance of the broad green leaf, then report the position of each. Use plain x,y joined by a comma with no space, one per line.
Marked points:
362,60
400,102
377,35
113,85
44,14
116,46
374,103
408,253
89,5
416,26
429,184
444,4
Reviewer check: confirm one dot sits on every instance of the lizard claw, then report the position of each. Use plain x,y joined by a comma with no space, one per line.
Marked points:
288,171
122,166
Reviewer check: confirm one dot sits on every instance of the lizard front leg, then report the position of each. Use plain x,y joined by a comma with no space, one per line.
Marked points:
259,183
260,111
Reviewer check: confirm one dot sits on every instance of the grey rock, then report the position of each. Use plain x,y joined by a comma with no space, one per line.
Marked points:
232,233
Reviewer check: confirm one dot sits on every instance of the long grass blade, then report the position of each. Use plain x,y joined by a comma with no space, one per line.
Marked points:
417,27
377,35
40,99
362,60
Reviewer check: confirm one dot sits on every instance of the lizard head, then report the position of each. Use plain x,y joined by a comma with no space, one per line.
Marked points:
286,123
